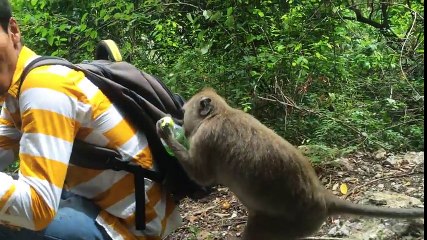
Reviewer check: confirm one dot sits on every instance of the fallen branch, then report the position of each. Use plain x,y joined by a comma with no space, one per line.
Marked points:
412,172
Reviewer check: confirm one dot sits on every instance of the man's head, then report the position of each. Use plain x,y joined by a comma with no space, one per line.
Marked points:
5,14
10,45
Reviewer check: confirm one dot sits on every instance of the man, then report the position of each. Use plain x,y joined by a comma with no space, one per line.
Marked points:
55,106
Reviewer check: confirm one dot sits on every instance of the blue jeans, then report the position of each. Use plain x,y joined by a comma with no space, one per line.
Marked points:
75,220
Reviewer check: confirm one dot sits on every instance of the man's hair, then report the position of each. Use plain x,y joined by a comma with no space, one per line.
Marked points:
5,14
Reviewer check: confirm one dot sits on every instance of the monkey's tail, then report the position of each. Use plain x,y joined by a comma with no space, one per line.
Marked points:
340,206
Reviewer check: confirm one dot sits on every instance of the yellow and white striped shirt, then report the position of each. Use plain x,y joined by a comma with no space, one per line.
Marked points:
57,105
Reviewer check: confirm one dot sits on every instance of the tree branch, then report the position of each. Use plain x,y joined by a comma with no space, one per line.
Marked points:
384,12
363,19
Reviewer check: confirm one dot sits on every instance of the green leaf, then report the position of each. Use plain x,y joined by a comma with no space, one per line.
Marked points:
73,29
230,21
34,2
189,17
118,16
297,47
207,14
94,34
216,16
229,11
44,32
84,17
63,26
83,27
258,12
205,48
280,48
50,39
102,13
106,17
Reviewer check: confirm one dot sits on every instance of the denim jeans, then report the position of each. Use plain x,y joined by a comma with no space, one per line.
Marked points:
75,220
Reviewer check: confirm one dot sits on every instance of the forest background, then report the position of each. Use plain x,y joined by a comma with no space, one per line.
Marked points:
336,76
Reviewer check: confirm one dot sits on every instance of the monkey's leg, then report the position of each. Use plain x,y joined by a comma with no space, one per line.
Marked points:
260,226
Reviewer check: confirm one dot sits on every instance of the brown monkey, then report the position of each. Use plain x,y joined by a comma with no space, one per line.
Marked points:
277,184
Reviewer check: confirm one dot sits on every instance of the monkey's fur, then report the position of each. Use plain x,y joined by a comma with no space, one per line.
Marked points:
276,183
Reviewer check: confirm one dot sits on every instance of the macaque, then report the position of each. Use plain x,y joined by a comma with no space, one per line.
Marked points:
276,183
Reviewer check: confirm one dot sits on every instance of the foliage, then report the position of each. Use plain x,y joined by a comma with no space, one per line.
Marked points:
330,73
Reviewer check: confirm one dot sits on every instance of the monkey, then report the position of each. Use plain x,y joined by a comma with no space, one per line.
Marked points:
271,178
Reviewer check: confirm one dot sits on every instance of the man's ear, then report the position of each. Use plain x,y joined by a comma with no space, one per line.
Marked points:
15,32
205,106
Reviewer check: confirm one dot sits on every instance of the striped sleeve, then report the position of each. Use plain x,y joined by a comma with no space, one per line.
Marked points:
9,139
48,108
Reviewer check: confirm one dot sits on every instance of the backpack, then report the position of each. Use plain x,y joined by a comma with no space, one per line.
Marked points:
143,99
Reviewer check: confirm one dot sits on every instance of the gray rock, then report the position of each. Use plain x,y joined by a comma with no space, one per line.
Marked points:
377,228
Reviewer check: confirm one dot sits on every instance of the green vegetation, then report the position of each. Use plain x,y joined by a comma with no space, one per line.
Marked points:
338,74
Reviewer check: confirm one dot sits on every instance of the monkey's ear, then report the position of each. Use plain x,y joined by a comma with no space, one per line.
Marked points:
205,106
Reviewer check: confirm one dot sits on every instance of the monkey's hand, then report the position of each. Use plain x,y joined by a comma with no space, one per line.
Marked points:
164,129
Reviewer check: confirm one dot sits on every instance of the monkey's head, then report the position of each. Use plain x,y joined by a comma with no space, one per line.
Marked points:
205,104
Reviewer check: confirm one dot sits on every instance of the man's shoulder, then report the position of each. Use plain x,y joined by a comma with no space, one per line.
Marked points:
51,76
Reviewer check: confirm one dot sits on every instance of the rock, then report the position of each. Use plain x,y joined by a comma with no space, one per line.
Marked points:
378,168
414,157
372,229
392,199
407,158
346,163
339,229
366,169
377,228
380,154
396,187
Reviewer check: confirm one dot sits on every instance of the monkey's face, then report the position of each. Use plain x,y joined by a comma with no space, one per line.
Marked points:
198,108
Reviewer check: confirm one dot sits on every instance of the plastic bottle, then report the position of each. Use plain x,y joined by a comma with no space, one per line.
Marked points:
177,132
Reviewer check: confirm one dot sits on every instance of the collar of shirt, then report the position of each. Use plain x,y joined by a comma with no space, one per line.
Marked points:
25,57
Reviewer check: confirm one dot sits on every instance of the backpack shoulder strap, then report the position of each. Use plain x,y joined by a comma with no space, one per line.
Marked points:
42,61
108,50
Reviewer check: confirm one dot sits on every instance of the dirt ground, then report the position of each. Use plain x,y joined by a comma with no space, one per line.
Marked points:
221,216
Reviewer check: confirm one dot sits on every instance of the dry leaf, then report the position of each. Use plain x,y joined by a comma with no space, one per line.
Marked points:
221,215
191,218
225,205
203,235
343,188
335,187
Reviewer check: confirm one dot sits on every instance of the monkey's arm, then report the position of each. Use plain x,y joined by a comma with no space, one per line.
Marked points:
196,169
177,148
180,152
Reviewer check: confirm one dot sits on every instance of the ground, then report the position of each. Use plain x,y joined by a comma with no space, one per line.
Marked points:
359,178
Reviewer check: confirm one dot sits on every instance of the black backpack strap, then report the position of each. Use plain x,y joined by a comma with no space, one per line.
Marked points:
38,62
101,158
104,158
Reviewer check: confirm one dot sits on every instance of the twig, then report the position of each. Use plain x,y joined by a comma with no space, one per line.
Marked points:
292,104
183,3
235,223
380,131
200,211
381,178
401,56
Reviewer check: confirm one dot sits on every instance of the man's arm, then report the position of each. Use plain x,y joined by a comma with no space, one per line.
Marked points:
48,112
9,139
